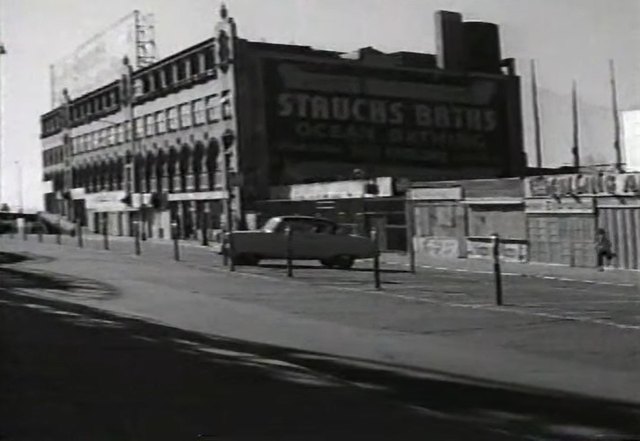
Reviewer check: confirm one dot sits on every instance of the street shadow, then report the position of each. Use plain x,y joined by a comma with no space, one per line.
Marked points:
313,391
12,279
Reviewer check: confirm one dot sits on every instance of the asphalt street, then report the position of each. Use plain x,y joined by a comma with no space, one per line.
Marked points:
557,361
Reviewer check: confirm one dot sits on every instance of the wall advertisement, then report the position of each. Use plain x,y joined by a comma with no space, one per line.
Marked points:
95,63
356,113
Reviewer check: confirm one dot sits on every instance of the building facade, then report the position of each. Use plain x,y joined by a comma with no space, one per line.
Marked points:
227,129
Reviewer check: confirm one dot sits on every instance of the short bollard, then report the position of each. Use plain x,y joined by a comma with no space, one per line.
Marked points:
289,235
40,228
174,234
231,251
136,237
204,226
376,258
59,234
105,233
79,233
24,232
495,238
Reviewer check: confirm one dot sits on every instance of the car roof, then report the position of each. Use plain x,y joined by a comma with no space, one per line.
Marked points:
312,218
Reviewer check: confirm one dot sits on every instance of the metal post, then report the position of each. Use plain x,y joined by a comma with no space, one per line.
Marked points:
289,235
174,235
24,230
205,225
231,249
40,228
59,223
136,236
410,221
376,257
105,230
495,238
79,233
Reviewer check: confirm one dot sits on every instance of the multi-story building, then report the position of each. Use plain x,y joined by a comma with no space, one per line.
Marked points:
230,123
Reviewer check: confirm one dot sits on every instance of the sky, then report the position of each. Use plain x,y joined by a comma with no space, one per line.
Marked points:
569,40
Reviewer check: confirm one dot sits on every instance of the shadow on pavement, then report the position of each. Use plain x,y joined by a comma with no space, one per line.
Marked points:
142,381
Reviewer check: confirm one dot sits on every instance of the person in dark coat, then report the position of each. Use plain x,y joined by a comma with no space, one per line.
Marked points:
603,248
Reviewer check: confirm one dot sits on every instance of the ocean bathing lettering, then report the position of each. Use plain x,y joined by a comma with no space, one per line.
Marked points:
386,112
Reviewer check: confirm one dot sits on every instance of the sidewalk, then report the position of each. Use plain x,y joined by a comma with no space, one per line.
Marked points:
474,265
532,269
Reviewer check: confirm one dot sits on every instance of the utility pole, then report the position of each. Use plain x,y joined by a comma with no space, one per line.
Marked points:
576,126
536,114
3,51
616,118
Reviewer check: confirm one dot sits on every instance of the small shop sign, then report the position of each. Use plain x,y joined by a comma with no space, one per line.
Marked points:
560,205
601,184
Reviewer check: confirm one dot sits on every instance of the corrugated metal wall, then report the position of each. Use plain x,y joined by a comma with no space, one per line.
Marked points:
622,224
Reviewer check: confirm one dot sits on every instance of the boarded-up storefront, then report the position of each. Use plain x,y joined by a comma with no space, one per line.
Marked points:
561,231
439,224
502,216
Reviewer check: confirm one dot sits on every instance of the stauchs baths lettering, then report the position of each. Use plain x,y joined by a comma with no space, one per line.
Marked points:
385,112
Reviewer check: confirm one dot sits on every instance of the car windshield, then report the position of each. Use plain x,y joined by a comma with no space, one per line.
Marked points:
271,225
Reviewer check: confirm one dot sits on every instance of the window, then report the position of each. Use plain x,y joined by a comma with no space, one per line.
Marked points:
185,115
208,59
127,131
95,140
195,64
149,125
212,109
102,138
117,133
198,112
172,118
168,75
161,125
111,135
139,124
180,67
157,79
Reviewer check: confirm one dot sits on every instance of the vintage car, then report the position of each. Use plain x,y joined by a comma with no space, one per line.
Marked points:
311,238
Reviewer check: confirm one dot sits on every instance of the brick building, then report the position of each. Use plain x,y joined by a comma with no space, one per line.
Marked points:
233,123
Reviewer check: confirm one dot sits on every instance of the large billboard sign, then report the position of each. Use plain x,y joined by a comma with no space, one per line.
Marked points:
353,113
97,62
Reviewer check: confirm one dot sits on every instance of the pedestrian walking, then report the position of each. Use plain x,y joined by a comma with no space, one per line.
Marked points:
603,249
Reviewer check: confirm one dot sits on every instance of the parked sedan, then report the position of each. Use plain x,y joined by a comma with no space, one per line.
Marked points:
311,238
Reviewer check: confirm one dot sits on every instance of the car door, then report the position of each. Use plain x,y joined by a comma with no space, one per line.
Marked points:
317,240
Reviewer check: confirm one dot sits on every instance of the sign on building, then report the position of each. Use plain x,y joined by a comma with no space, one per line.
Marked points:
99,61
361,114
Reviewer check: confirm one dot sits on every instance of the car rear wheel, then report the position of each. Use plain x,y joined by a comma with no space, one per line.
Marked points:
343,261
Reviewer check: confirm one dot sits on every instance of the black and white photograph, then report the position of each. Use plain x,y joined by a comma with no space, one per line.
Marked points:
319,220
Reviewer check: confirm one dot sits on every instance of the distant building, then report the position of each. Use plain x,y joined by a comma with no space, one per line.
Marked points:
150,146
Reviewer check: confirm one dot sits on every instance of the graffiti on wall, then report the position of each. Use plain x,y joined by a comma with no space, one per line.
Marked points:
437,247
509,252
